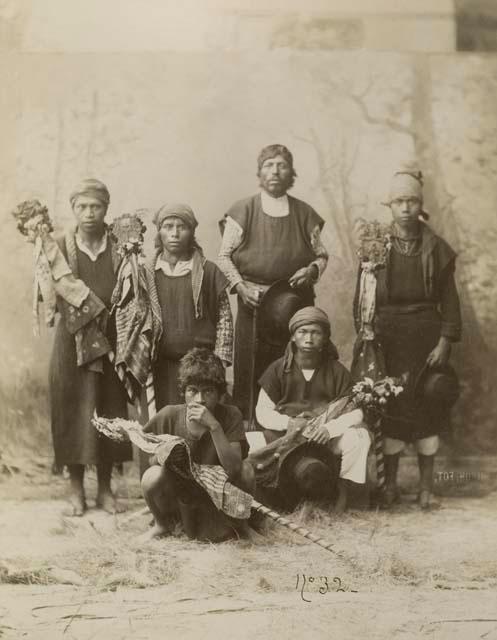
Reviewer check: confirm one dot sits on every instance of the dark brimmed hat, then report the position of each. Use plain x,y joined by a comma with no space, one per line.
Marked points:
438,387
310,471
278,304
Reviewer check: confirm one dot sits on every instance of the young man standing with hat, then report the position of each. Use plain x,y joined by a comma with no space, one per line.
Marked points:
268,237
417,320
302,383
82,379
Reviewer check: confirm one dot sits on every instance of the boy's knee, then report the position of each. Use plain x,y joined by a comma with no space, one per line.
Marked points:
151,478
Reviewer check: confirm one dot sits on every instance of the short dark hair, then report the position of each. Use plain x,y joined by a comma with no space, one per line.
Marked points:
273,150
200,366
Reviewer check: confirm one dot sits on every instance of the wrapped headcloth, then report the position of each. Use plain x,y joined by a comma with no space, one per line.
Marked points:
178,210
92,189
309,315
407,183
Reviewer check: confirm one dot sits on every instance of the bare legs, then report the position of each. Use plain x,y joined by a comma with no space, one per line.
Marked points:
105,498
161,494
77,498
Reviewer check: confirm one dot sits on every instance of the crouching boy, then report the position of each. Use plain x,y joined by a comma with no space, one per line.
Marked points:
301,384
215,436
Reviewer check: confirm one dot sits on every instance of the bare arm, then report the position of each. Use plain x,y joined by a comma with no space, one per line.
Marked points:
229,453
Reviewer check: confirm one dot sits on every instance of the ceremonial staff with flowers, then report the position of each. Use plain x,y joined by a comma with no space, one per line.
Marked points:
368,361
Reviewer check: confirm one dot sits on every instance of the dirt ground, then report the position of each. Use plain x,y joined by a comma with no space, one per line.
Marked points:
404,574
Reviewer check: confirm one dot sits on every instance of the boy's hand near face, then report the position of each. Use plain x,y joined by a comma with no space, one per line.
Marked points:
202,417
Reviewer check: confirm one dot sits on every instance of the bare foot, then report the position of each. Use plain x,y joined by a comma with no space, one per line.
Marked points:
78,504
341,502
253,536
426,501
106,500
157,531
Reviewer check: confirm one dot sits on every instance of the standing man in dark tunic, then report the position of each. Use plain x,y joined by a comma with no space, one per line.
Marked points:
78,390
417,320
268,237
192,295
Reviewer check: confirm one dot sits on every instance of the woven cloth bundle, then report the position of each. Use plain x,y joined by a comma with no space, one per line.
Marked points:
174,452
135,307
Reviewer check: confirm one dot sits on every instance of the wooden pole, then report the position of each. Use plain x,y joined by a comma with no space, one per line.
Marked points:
251,417
291,525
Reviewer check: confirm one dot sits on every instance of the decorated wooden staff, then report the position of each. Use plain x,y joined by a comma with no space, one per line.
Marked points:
137,314
374,241
120,430
302,531
52,275
270,513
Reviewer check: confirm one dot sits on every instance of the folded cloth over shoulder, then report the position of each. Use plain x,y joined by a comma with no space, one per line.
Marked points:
84,314
53,277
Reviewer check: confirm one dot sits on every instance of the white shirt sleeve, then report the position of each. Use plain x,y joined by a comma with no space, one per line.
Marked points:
267,416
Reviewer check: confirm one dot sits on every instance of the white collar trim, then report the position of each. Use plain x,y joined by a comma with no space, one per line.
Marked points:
181,268
275,207
86,249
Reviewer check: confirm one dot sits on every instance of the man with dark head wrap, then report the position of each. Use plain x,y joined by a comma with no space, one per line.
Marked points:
192,296
82,380
268,237
301,384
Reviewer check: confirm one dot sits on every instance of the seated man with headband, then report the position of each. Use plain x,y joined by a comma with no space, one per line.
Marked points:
306,379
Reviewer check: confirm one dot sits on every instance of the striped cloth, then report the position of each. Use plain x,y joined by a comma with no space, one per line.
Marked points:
138,325
174,452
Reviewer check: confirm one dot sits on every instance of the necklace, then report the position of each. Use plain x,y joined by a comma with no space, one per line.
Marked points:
407,246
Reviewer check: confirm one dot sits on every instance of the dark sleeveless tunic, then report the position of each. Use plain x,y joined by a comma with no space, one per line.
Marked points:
272,249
